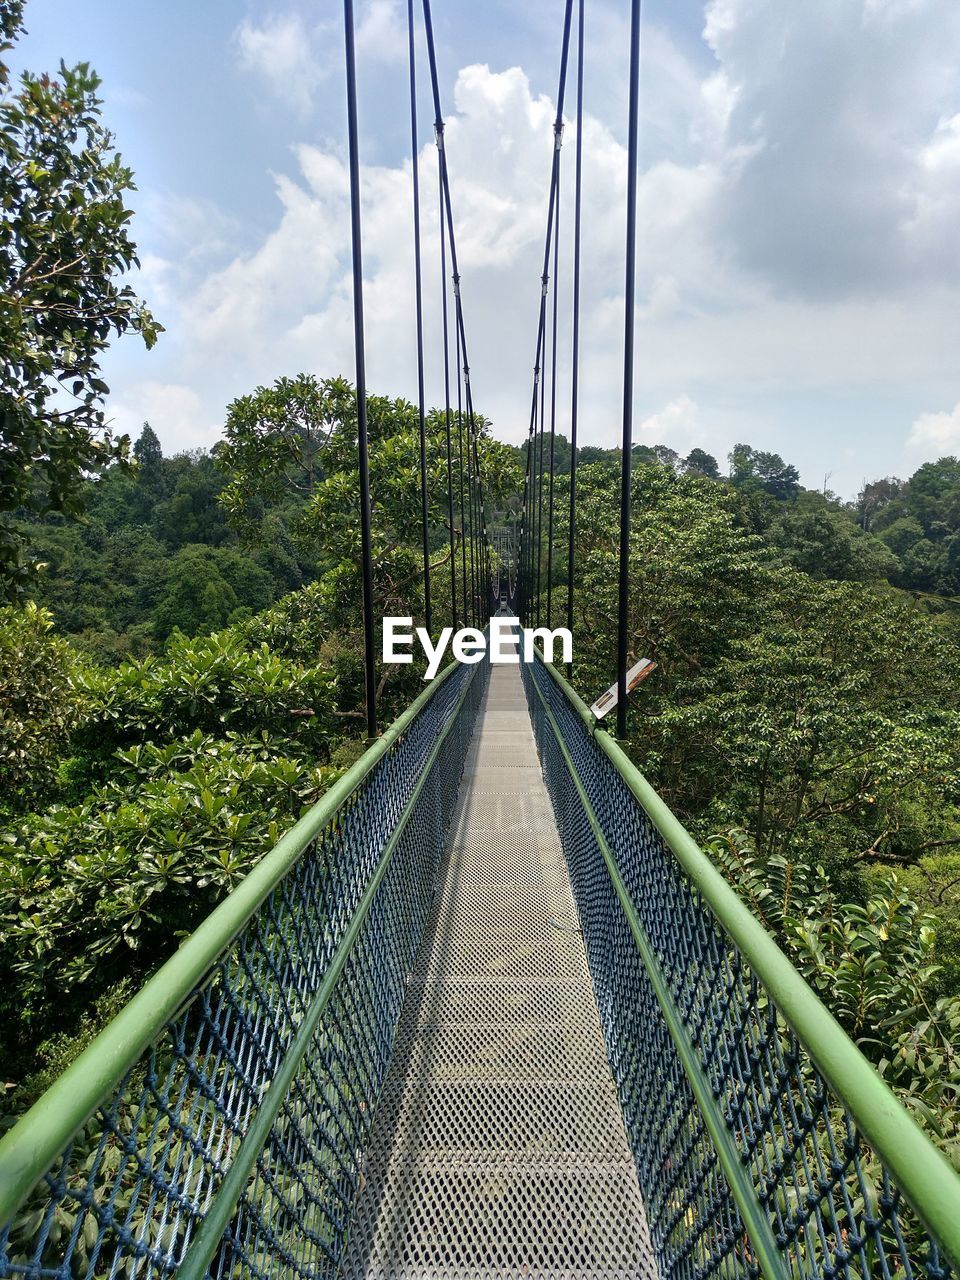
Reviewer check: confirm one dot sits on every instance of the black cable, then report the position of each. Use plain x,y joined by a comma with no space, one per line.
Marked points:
530,527
630,287
446,390
463,510
553,397
445,202
415,155
543,423
475,607
575,354
478,519
524,536
535,534
366,551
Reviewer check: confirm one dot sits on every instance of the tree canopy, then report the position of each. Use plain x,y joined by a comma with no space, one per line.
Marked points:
64,248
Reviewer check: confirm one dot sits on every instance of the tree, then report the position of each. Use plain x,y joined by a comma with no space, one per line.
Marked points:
699,462
821,538
874,497
64,244
39,704
274,441
204,588
501,466
934,496
820,716
149,455
192,510
756,469
561,453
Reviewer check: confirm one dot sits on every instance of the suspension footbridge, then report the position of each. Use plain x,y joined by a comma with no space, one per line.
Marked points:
499,1106
485,1011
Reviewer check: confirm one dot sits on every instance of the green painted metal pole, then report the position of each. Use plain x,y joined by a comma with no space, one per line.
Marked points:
31,1147
923,1173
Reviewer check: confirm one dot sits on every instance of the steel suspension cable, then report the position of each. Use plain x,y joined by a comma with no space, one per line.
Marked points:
418,275
535,535
475,497
478,531
543,417
463,510
575,352
446,395
553,396
532,471
630,287
366,550
523,546
445,202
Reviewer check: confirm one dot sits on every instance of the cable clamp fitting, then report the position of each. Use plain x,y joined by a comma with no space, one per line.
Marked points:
558,135
438,134
544,282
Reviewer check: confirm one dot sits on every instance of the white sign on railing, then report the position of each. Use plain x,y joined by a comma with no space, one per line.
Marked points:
607,701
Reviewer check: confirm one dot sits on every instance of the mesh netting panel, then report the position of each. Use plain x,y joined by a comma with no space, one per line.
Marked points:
833,1208
128,1194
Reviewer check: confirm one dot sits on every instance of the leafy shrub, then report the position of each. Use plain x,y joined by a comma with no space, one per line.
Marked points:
216,684
96,892
873,964
39,703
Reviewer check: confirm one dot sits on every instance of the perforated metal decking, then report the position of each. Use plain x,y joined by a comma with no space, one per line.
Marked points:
499,1148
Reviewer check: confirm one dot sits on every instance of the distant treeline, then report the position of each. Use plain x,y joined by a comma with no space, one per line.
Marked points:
904,531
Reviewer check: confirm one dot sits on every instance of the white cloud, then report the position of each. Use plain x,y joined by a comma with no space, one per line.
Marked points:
942,152
936,434
294,57
175,412
280,51
799,224
381,32
835,106
677,424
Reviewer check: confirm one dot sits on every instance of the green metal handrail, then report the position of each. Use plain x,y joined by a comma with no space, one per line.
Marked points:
29,1149
921,1171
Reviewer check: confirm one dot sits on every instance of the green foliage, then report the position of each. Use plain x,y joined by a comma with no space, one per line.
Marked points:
701,463
206,588
64,244
274,442
817,536
501,466
93,893
755,469
873,963
39,704
816,714
216,684
156,554
919,520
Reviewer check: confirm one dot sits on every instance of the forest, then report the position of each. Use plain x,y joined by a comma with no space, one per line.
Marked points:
179,687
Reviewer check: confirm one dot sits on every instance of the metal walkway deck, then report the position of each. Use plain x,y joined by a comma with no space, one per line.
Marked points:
499,1147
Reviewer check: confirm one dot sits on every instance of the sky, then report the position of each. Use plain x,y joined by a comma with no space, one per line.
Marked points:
798,281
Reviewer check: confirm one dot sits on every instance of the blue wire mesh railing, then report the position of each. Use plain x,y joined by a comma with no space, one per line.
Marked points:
132,1190
822,1198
